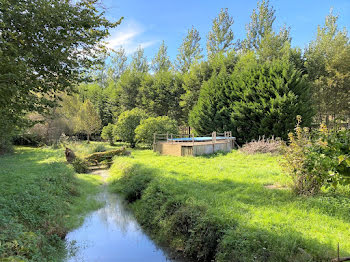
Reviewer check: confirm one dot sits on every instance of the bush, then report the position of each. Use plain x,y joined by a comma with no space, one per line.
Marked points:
262,146
161,125
127,123
80,165
108,133
98,148
317,159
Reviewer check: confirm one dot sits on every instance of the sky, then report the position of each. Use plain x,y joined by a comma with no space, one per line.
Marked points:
149,22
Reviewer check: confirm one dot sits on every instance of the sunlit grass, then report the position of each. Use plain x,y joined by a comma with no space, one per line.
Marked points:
41,198
271,224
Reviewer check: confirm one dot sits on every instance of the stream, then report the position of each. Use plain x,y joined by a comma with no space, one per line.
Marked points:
111,233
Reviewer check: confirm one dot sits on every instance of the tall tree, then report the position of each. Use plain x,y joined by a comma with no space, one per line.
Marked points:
88,120
256,99
161,61
139,61
328,66
161,94
189,51
260,25
220,38
128,88
46,46
118,63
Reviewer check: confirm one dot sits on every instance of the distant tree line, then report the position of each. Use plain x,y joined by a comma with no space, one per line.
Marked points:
254,86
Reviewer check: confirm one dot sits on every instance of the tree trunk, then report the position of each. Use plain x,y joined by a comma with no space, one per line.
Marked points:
88,138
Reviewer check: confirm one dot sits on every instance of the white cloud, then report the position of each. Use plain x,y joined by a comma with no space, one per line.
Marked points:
130,35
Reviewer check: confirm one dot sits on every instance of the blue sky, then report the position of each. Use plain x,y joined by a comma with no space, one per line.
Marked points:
147,23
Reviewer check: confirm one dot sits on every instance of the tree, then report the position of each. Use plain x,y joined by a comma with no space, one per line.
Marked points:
161,61
256,99
108,133
128,88
189,51
87,120
261,23
46,47
261,37
148,127
220,38
127,123
211,113
118,63
328,67
201,72
139,61
160,94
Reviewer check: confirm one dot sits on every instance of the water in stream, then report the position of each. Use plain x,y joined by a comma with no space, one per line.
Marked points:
112,234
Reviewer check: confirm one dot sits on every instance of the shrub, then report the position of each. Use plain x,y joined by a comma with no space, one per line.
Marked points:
317,159
162,124
263,145
127,123
98,148
80,165
108,133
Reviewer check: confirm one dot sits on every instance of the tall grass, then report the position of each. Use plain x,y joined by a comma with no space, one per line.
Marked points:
220,208
41,199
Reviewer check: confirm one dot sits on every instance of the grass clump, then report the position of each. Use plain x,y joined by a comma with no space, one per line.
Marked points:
80,166
41,199
218,208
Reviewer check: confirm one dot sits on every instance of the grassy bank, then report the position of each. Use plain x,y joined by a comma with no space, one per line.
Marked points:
41,199
231,208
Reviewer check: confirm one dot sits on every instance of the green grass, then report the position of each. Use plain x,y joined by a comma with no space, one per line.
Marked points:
217,207
41,199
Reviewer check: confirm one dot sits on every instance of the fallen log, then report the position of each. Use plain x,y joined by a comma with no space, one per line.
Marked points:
107,156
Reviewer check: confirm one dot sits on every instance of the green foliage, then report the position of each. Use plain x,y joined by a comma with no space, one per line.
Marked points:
46,47
257,99
261,23
219,208
98,148
220,38
189,51
139,61
199,74
127,123
80,165
87,120
328,66
43,199
161,94
161,61
317,159
128,87
108,133
148,127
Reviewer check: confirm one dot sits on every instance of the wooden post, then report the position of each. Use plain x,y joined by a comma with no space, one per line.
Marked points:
171,136
167,137
193,139
213,137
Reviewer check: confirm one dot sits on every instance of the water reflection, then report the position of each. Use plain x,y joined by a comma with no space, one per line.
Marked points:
112,234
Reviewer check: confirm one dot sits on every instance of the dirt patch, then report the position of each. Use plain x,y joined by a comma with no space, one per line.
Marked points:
276,186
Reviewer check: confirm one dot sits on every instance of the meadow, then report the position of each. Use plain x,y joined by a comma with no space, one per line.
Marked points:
231,207
41,199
